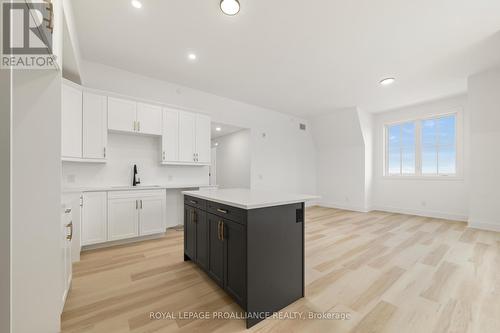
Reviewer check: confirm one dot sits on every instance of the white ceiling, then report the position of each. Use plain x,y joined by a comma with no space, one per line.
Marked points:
296,56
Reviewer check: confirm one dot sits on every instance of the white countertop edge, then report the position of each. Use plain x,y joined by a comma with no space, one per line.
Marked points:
138,188
304,199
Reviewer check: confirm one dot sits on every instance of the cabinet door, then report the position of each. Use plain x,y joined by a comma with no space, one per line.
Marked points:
187,128
152,211
93,218
149,119
71,123
122,114
234,238
216,249
170,138
189,232
201,238
95,125
202,139
123,218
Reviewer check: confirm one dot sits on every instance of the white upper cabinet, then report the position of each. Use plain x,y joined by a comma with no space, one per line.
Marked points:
202,146
187,136
71,122
95,127
170,136
122,115
130,116
149,119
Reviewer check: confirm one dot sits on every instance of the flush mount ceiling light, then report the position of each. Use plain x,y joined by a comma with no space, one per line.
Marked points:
218,129
137,4
216,144
387,81
192,56
230,7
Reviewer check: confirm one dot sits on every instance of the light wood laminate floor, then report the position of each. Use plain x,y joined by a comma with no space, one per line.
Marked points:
389,272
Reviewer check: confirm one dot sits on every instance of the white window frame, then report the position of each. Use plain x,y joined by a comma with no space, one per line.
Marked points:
418,148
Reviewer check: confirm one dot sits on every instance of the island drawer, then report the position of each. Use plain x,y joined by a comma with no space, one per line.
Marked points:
228,212
195,202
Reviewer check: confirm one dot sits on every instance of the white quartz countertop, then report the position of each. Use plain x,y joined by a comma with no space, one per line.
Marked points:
131,188
249,199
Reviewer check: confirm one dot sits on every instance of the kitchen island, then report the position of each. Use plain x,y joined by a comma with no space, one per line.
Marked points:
251,243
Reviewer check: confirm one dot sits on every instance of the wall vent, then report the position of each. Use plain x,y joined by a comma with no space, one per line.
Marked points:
302,127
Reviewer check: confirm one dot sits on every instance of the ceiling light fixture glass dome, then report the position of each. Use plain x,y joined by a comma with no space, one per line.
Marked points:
230,7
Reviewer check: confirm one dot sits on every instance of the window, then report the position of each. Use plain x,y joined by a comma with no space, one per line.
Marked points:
424,147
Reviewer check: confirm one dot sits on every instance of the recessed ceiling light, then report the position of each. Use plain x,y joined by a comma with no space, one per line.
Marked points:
137,4
218,129
230,7
192,56
216,144
387,81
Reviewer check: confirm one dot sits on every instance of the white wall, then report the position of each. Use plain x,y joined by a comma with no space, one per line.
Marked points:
283,157
5,142
36,201
233,160
435,198
125,150
340,159
484,106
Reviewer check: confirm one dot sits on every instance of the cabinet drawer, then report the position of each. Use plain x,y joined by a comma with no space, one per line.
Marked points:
195,202
228,212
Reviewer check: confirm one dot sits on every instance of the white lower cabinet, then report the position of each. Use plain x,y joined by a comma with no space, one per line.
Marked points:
123,217
115,215
152,214
94,218
136,213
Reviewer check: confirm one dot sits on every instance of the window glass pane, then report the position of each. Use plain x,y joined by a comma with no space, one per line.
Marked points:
447,160
394,163
447,130
408,135
394,143
408,159
429,160
429,132
394,134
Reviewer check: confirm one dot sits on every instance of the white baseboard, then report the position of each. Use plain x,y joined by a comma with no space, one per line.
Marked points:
422,212
417,212
343,206
121,242
484,226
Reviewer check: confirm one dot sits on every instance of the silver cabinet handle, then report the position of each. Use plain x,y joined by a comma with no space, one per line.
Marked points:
138,126
136,204
104,152
222,210
141,203
164,156
135,125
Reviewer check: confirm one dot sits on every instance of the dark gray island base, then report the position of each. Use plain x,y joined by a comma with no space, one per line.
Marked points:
256,255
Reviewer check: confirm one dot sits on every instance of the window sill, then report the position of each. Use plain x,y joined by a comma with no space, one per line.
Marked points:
432,178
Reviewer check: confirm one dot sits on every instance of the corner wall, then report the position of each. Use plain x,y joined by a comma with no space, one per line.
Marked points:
484,106
233,160
340,159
